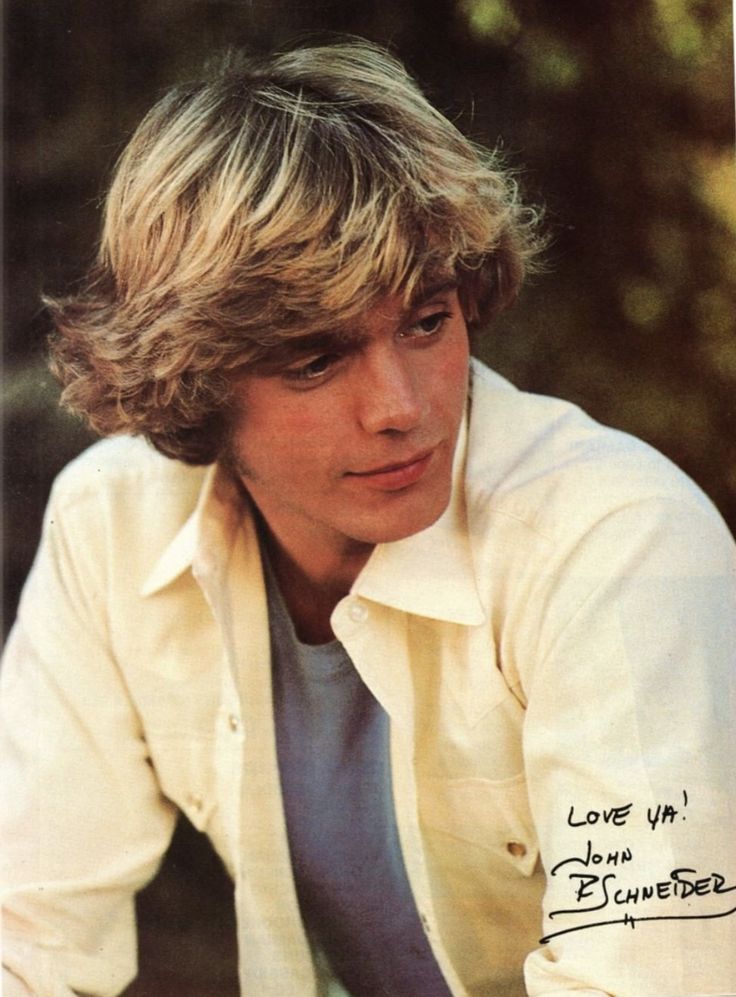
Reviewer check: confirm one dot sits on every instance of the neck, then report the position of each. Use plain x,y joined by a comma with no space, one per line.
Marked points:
313,581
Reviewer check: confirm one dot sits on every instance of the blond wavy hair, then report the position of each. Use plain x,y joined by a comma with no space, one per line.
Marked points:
280,196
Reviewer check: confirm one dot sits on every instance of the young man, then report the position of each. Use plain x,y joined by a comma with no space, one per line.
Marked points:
443,669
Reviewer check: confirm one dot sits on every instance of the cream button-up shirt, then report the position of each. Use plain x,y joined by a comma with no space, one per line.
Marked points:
556,656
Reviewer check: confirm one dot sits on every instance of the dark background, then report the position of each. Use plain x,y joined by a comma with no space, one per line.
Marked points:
619,118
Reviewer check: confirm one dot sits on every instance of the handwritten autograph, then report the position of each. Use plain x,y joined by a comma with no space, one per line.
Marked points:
595,890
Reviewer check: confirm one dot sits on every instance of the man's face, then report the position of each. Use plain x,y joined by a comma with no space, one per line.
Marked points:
351,443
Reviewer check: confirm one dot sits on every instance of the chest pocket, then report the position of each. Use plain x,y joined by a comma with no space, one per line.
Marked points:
472,799
475,820
178,699
485,877
493,818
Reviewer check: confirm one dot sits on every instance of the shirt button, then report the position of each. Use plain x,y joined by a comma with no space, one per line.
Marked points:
195,802
233,722
358,612
425,922
517,849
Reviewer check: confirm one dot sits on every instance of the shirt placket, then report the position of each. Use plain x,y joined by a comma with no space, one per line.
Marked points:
275,957
375,638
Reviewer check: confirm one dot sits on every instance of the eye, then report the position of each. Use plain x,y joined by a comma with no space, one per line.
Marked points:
312,370
430,324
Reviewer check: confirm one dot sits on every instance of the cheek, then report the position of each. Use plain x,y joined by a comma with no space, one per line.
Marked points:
458,364
288,439
451,373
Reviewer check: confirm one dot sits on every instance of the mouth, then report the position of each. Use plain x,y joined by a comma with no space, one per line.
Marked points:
394,477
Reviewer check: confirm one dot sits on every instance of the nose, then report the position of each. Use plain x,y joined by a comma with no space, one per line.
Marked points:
389,395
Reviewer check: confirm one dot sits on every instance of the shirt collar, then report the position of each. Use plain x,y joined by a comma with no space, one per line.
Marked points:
429,574
206,537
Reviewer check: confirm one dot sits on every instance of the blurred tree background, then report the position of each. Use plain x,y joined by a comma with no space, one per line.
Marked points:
619,119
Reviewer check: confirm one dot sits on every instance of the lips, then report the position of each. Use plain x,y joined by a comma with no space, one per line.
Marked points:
393,477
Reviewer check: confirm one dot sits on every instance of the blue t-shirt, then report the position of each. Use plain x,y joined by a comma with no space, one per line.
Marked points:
333,751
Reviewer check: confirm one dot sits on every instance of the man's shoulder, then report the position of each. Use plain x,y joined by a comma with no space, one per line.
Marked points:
113,466
118,506
124,481
548,464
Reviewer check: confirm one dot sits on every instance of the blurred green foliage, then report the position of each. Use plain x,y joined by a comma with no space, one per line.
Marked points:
617,116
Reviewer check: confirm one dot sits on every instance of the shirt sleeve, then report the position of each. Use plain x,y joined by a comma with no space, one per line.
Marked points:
84,824
630,754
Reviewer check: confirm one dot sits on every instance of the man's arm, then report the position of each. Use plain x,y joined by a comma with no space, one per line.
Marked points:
630,748
84,822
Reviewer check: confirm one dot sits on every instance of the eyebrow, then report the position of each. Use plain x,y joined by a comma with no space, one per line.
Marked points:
291,351
346,340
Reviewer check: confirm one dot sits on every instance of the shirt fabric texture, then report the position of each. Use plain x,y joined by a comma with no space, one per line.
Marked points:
559,644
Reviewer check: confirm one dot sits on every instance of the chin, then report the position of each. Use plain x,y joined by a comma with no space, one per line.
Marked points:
406,523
